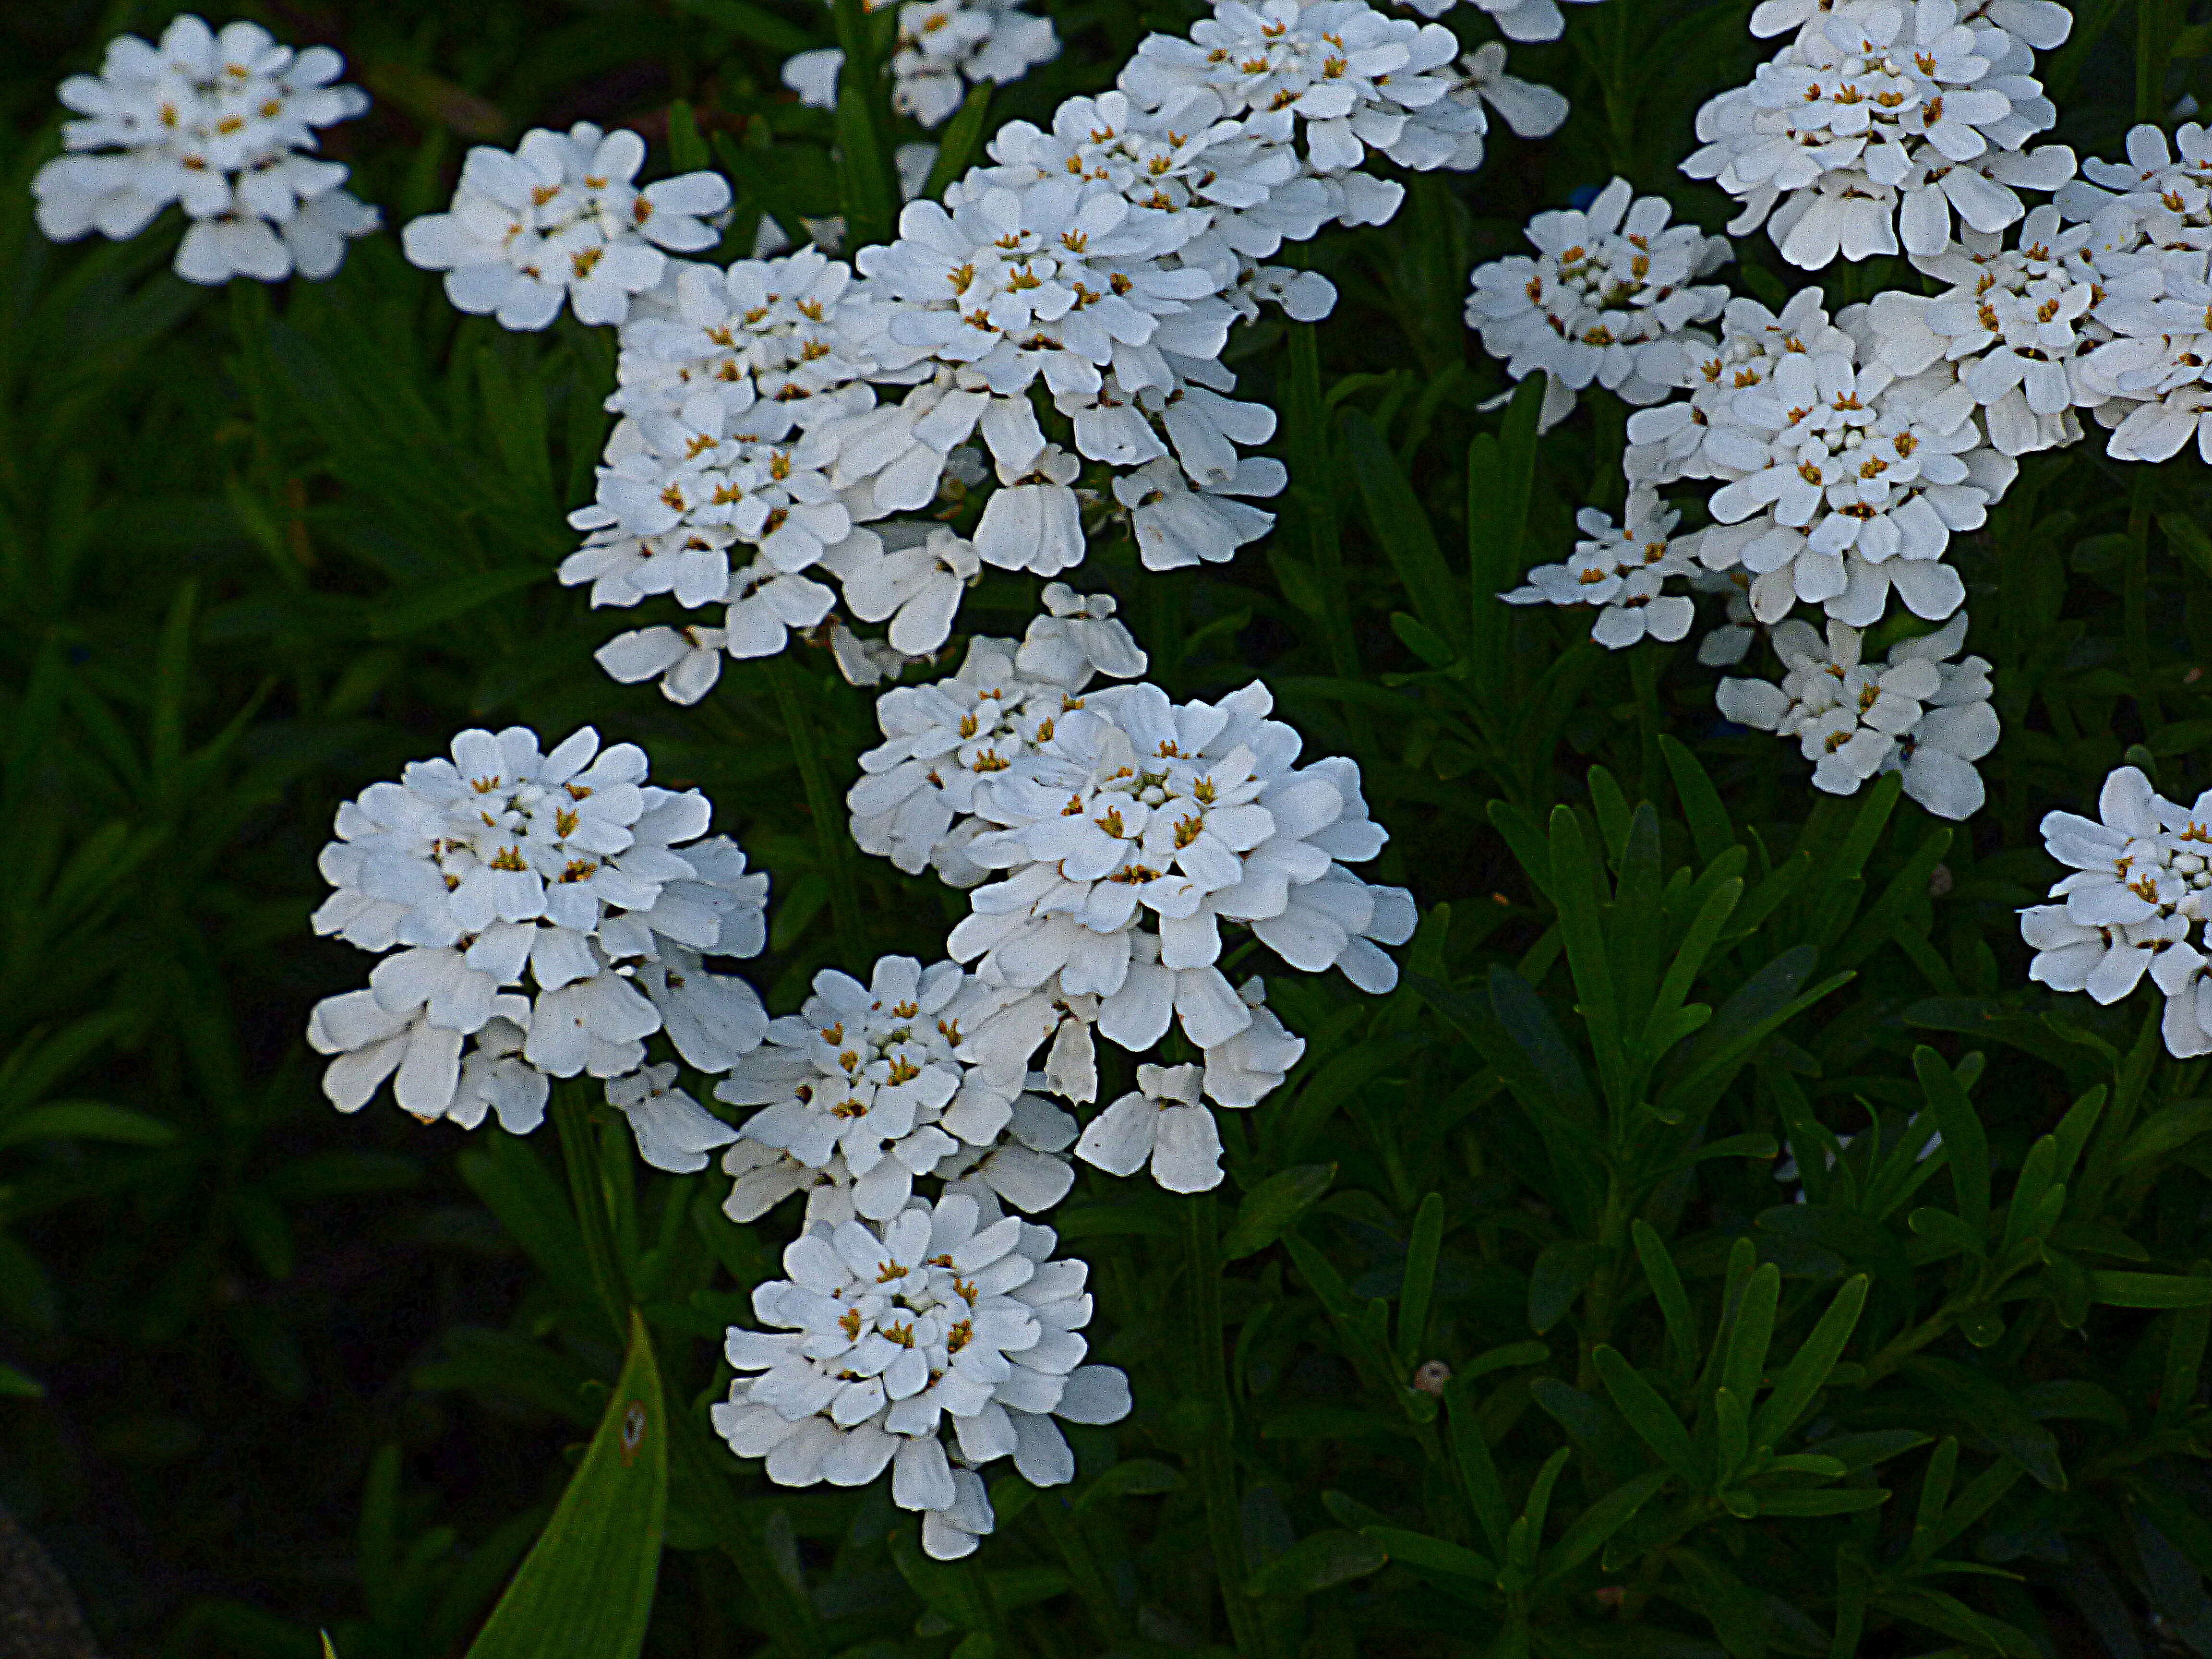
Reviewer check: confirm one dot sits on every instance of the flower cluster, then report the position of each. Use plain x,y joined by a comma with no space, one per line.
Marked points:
945,47
1919,713
506,867
2136,893
1622,570
930,1344
223,125
1880,119
1605,300
558,220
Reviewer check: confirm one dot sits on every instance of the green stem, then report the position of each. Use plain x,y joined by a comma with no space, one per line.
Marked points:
784,1609
2136,603
1083,1569
829,837
2156,28
1208,1377
579,1152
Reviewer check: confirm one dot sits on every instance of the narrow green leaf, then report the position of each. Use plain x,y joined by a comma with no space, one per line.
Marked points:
590,1575
1590,1530
15,1385
962,137
1486,1495
1711,830
1967,1147
2151,1290
1674,1302
1270,1208
687,150
1420,1277
1754,1331
1802,1378
86,1120
1819,1500
1415,1549
1318,1562
755,23
1401,524
1651,1417
2184,1354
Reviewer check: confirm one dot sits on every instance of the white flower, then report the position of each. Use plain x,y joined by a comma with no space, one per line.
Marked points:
943,46
1178,525
1056,278
1879,119
1162,1122
674,1132
1620,570
1668,442
1026,1167
1520,19
1917,714
914,579
1077,637
2010,325
944,1329
1604,301
1338,71
505,861
706,467
892,1077
781,338
1251,1064
1531,109
687,660
223,125
1138,814
1847,481
558,220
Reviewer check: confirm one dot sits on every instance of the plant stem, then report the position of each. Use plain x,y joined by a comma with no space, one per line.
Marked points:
1208,1376
829,837
1083,1571
2136,602
579,1152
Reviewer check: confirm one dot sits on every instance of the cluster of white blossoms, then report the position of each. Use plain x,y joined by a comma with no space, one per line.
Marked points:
1609,300
2140,870
931,1344
557,221
538,915
944,47
1918,713
798,404
223,125
1622,570
1880,119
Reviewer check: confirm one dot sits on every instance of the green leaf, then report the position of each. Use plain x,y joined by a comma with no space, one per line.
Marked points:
1801,1379
1486,1495
1272,1207
1401,524
1420,1277
1674,1302
1596,1524
448,601
86,1120
1819,1500
963,136
2151,1290
1746,1359
1560,1272
755,23
1318,1562
1711,831
1416,1549
1651,1417
1139,1477
1975,1398
1964,1142
590,1575
13,1385
687,150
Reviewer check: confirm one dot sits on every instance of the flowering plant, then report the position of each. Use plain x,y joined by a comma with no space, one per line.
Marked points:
1281,918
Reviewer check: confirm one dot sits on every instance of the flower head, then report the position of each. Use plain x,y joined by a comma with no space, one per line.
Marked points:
558,222
222,124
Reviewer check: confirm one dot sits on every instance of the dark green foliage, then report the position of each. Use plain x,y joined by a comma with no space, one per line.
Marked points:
259,548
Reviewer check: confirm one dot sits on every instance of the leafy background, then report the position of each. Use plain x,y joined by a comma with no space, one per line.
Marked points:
271,1369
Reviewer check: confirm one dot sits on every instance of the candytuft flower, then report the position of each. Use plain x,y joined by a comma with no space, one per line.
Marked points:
223,125
557,221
